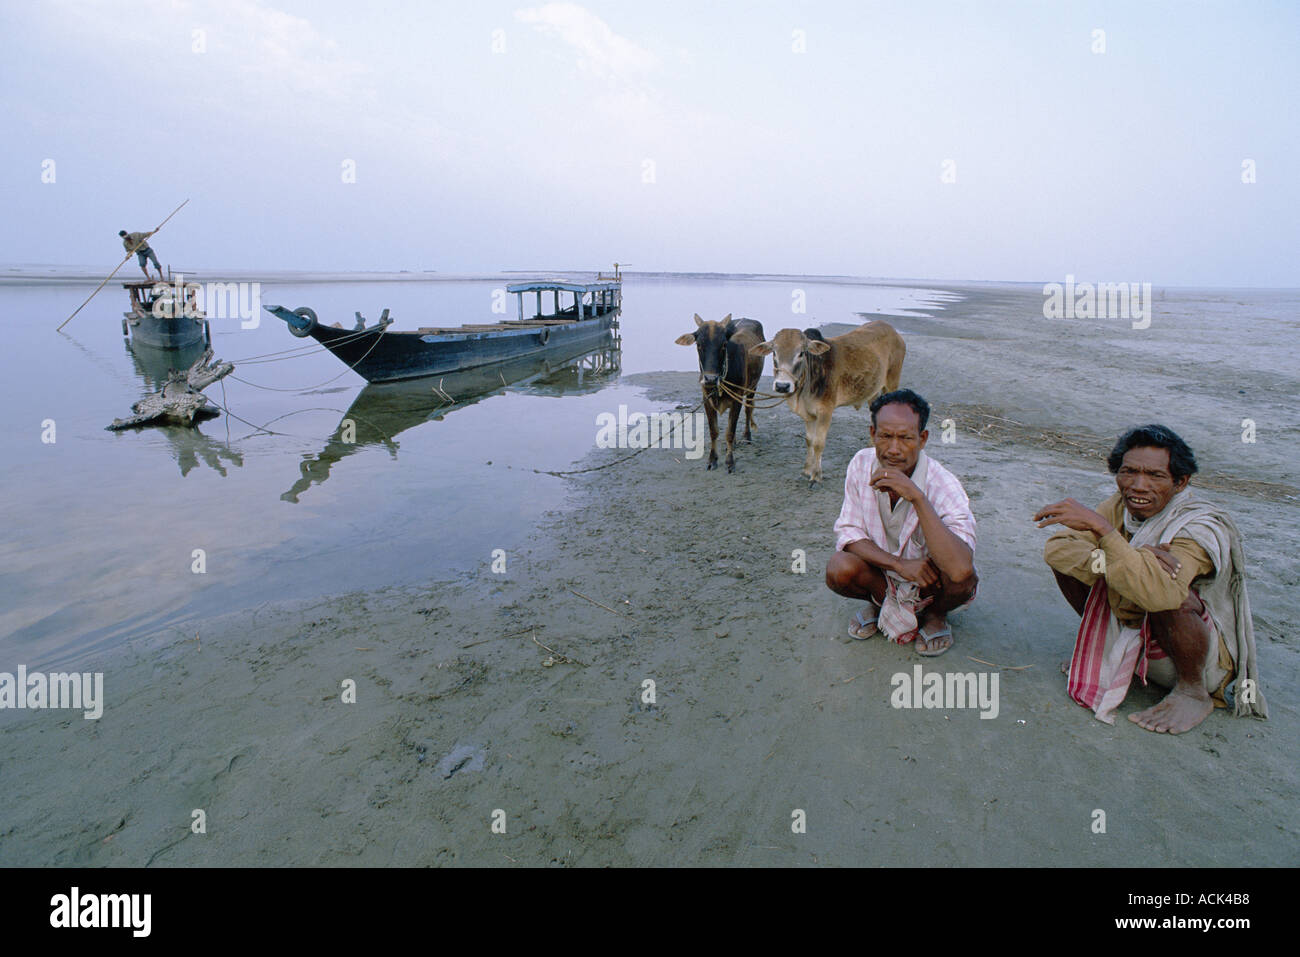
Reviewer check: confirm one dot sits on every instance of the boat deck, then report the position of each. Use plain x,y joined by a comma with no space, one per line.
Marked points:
503,326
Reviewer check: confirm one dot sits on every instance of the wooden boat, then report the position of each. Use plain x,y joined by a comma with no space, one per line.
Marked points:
378,354
158,319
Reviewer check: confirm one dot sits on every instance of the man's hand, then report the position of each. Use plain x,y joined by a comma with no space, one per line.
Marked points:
919,570
1073,515
896,481
1167,560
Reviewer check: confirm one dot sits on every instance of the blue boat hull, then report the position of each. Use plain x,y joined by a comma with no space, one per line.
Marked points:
160,332
379,355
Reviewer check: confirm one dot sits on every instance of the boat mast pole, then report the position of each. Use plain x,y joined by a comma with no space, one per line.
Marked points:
113,273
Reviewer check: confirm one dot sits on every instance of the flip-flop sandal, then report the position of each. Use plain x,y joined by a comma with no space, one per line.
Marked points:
927,637
859,627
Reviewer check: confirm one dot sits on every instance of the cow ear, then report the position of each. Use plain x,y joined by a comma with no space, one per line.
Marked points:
686,340
816,347
698,320
762,349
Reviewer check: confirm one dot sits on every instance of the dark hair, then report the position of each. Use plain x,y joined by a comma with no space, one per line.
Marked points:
1182,463
902,397
121,232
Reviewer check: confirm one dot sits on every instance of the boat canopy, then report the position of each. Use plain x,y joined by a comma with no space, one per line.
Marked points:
592,298
547,285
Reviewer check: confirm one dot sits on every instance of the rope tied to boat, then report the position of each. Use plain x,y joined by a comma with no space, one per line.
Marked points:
297,352
307,388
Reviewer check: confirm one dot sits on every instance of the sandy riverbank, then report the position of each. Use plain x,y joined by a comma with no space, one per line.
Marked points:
764,705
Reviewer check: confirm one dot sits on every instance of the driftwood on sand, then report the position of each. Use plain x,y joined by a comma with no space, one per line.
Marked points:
181,398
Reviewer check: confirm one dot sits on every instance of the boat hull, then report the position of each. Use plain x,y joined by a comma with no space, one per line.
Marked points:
161,332
378,355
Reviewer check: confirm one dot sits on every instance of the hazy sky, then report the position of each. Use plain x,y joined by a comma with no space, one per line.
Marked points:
671,135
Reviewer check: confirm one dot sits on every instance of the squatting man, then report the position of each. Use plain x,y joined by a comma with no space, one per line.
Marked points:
1157,578
905,538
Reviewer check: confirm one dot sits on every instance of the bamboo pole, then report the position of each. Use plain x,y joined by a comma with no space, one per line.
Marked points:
114,272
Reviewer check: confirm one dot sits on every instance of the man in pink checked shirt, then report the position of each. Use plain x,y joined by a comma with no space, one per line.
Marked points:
905,538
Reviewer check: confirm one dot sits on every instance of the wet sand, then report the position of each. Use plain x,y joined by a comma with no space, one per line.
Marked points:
667,572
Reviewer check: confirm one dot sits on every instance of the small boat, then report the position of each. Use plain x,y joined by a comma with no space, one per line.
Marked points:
159,318
379,355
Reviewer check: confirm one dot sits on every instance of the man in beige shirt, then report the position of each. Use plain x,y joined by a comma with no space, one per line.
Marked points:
137,243
1156,576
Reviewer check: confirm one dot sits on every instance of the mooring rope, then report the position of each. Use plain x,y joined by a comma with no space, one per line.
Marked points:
729,389
617,461
262,428
308,388
310,348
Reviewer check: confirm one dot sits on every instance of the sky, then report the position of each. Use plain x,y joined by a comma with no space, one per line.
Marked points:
989,141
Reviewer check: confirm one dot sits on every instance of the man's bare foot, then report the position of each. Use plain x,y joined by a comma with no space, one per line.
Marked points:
1181,710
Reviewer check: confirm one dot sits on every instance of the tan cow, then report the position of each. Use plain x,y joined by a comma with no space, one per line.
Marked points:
818,375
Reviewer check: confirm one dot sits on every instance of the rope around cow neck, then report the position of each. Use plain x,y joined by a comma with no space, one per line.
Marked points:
743,394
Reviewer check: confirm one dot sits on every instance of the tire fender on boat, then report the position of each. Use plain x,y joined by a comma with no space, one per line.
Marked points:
544,336
308,314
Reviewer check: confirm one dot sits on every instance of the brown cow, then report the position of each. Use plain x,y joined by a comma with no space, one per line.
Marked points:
728,367
818,375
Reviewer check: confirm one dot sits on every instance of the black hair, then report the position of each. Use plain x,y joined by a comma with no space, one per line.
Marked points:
1182,463
902,397
121,232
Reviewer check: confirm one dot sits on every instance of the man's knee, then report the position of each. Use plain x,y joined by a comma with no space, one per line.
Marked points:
1188,613
848,574
842,570
959,589
1070,586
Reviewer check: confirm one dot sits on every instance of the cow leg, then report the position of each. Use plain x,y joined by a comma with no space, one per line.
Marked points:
895,372
733,418
820,426
711,412
809,426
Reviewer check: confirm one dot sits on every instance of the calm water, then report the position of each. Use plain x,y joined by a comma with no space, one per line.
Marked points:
102,526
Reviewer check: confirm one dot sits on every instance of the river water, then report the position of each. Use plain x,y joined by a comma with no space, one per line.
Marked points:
106,531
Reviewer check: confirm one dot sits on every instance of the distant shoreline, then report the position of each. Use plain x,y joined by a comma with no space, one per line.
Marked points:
71,275
68,274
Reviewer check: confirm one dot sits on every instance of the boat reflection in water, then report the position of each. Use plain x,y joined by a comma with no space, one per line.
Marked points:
190,446
381,411
153,364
